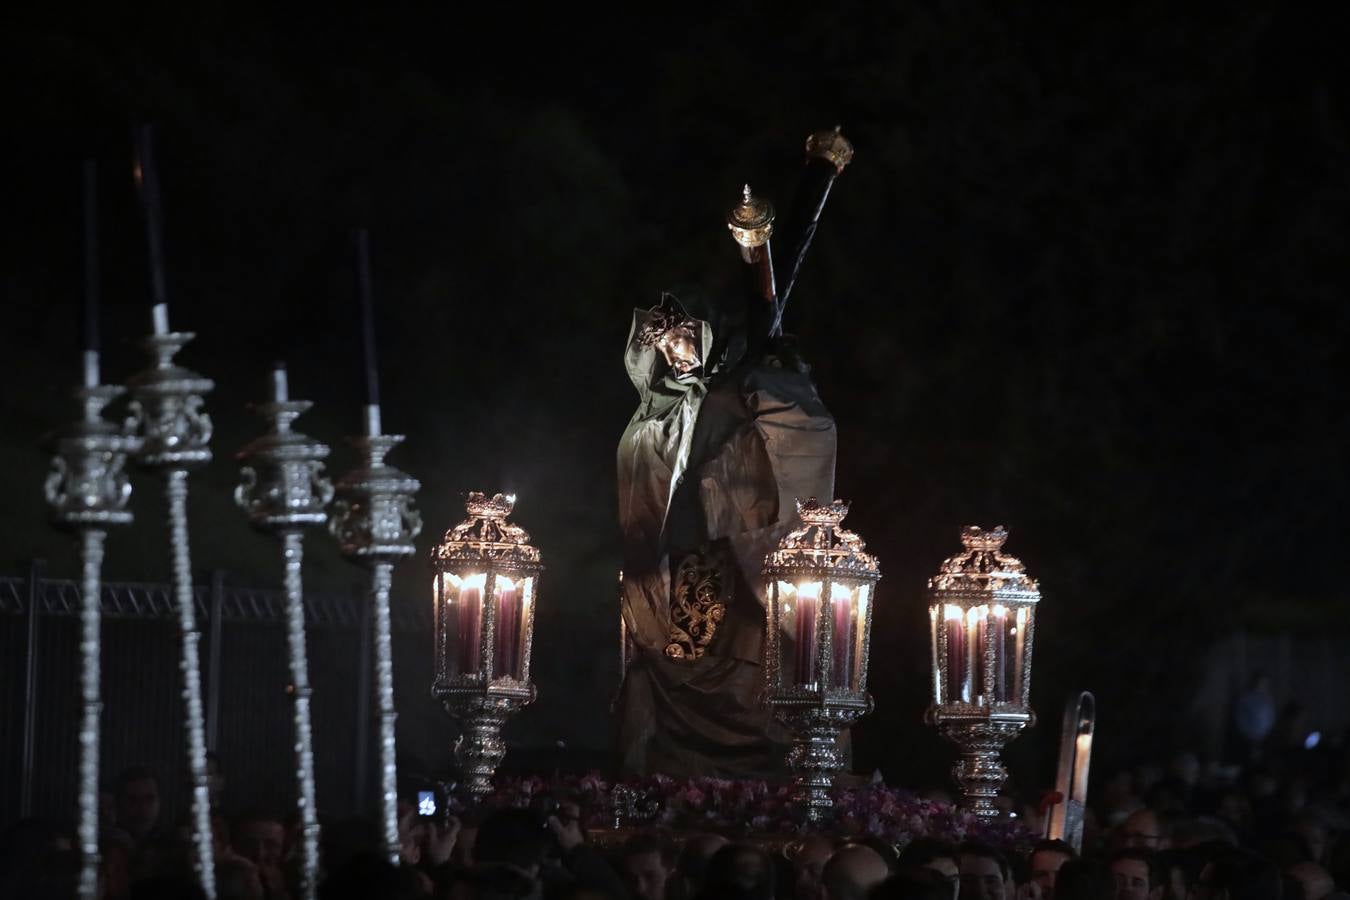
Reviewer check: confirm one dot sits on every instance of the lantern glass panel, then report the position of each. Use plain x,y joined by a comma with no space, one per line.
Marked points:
463,615
843,607
511,598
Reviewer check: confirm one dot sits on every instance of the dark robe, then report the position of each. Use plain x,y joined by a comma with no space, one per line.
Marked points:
710,468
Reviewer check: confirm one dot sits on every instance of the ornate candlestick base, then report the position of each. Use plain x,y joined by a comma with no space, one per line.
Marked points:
483,712
815,757
979,770
375,524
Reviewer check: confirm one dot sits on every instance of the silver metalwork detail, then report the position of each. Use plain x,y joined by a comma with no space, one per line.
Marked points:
981,602
167,416
283,489
818,709
486,544
375,523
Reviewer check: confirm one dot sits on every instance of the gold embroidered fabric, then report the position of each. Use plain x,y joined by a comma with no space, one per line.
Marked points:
701,588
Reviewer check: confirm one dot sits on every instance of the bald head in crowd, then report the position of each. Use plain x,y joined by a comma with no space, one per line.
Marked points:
852,872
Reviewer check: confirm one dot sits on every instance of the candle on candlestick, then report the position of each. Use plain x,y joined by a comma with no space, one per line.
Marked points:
1082,755
807,612
974,668
365,292
159,313
91,279
147,183
508,629
280,388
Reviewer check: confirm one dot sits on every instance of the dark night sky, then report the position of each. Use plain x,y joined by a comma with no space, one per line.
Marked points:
1085,278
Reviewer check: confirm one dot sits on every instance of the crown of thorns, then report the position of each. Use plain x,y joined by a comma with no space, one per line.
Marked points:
661,318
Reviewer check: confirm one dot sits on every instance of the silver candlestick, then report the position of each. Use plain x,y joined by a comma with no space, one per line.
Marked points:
375,523
283,489
167,416
88,491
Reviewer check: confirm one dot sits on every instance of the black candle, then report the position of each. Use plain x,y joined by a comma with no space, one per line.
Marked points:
147,184
363,288
91,297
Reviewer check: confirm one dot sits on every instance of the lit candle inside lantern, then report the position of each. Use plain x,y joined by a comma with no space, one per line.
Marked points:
974,661
808,611
1000,637
470,622
842,600
508,628
1019,660
956,653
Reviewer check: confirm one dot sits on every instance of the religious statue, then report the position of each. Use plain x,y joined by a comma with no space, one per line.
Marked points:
728,433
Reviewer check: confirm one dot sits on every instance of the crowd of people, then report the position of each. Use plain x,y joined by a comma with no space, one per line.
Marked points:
1274,828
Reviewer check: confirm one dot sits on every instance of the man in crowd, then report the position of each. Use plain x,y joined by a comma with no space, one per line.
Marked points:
1136,876
260,838
852,872
136,797
1047,857
1143,829
984,873
647,863
808,863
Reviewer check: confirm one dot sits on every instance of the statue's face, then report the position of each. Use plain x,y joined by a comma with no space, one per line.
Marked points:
680,349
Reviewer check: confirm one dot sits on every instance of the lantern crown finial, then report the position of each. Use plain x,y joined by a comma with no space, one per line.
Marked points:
975,538
812,512
498,506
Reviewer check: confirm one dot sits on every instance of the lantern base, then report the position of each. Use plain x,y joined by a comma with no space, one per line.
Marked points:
815,757
979,771
483,712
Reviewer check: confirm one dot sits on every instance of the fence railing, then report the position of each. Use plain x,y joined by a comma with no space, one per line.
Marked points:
245,682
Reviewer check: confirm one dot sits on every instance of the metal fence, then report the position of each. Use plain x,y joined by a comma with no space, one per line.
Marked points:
245,682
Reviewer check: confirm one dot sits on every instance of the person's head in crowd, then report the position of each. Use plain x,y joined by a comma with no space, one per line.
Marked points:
1185,769
692,864
1143,829
1313,829
1202,831
367,876
913,884
514,838
808,862
1239,875
1178,869
1235,808
647,863
1044,863
1081,879
883,848
259,837
1315,881
136,796
984,872
1136,875
934,855
238,879
852,872
739,872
